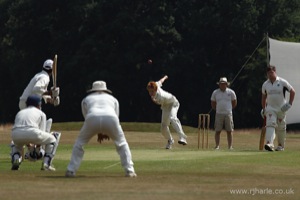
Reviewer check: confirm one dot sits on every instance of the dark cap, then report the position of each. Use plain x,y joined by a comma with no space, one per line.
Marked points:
33,100
271,67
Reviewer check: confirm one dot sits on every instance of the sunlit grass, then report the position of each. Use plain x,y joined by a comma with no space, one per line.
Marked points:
184,172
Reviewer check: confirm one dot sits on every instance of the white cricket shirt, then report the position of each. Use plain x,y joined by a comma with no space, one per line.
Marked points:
163,97
276,92
30,117
37,86
100,103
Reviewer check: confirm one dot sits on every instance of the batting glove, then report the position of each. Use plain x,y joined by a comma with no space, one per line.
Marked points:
47,99
262,113
56,101
286,107
55,92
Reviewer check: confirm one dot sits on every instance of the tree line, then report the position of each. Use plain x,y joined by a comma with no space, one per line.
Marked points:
193,42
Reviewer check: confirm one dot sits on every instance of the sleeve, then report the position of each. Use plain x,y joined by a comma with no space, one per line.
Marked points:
288,85
41,85
117,108
233,95
83,108
159,84
213,96
263,89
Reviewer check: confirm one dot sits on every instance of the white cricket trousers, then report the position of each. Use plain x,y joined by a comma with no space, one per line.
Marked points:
275,126
27,135
169,116
108,125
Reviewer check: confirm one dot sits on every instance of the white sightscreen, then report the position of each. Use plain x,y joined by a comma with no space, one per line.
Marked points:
286,57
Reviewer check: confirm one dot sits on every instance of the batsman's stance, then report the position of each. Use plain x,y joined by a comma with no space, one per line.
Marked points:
169,106
38,86
274,107
101,112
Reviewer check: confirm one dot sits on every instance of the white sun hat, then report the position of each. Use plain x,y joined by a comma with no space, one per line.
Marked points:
99,86
223,80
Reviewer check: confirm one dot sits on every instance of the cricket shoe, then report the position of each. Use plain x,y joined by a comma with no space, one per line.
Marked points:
130,174
269,147
279,148
182,141
47,167
16,164
169,144
16,161
70,174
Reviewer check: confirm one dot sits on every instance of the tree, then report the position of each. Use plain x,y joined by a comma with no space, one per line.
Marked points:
194,42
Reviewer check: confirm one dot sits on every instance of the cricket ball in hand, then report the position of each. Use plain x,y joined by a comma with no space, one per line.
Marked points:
149,61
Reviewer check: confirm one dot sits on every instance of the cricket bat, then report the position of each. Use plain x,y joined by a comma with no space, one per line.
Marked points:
262,135
54,71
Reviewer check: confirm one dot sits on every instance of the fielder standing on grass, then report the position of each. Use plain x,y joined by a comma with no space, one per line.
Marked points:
169,106
101,113
223,100
274,108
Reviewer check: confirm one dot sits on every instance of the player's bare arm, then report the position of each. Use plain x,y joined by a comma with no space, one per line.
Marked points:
163,79
292,96
213,105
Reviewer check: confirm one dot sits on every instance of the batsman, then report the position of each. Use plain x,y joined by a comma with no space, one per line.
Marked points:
274,108
38,86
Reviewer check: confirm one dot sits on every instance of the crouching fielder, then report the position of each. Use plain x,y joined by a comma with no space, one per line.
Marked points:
101,112
274,107
29,127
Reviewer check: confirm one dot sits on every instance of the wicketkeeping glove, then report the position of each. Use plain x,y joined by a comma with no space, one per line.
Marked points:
102,137
286,107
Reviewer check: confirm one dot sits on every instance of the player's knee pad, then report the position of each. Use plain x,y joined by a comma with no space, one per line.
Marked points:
50,149
270,134
271,123
15,156
281,126
49,125
281,135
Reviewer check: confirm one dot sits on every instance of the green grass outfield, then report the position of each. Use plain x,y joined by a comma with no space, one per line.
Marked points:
185,172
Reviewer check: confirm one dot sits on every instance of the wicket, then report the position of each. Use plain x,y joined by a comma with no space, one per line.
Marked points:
203,126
